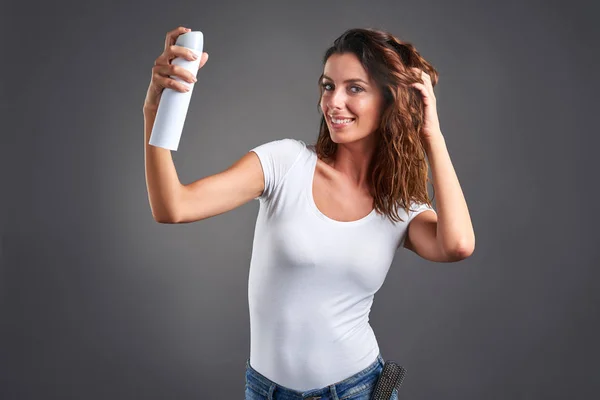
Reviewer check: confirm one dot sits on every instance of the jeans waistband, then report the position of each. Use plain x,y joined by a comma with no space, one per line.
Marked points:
334,391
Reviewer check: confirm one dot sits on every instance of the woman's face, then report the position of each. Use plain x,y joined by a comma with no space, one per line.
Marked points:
349,93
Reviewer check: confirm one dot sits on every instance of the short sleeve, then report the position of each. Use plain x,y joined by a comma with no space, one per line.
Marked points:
415,209
276,158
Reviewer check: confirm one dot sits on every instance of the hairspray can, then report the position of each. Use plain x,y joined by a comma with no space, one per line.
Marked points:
173,104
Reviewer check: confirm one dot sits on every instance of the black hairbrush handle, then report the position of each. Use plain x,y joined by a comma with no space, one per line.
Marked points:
391,377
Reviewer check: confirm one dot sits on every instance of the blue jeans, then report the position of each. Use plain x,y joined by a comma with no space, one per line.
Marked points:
359,386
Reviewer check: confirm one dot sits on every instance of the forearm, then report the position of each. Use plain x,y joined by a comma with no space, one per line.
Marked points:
162,182
454,230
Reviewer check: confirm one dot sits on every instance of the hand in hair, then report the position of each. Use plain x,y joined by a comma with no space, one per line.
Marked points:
431,124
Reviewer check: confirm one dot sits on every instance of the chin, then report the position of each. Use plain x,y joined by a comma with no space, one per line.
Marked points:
346,137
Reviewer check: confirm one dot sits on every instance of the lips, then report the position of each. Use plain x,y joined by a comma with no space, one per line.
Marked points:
342,125
341,118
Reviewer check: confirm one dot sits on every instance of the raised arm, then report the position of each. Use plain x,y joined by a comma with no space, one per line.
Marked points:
170,201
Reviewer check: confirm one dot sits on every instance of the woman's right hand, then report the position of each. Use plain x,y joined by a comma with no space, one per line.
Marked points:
163,69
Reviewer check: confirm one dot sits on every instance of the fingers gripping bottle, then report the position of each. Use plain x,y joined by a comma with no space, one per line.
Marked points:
173,104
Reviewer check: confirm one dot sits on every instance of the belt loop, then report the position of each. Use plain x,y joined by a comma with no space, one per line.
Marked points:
334,395
271,391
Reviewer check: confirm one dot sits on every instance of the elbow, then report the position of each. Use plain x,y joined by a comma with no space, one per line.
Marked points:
464,249
464,253
165,219
164,214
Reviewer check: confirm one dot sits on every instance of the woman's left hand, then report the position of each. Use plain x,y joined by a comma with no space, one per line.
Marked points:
431,124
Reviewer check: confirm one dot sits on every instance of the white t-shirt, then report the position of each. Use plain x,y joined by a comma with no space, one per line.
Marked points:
312,279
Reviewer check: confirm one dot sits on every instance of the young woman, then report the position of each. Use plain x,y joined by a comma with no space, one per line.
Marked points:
332,215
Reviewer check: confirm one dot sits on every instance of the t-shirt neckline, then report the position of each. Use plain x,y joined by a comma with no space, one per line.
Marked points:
309,194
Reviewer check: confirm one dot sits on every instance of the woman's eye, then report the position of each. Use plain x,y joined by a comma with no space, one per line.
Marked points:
325,85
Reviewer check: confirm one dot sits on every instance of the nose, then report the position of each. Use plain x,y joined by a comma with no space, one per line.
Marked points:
336,100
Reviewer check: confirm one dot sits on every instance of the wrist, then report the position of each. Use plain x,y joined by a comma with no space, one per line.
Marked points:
433,140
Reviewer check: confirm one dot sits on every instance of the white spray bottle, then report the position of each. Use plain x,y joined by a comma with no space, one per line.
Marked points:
173,104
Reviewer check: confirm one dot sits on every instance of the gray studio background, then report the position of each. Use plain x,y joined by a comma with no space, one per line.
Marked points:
99,301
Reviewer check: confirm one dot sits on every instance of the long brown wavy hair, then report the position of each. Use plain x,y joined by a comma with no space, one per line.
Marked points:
398,171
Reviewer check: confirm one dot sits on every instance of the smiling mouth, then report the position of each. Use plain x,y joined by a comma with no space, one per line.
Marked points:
341,123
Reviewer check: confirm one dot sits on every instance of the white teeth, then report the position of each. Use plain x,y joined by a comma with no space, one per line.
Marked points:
341,121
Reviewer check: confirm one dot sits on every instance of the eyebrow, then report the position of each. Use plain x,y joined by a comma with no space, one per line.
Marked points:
346,81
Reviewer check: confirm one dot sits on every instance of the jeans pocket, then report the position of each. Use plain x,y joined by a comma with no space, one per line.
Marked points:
362,389
363,394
